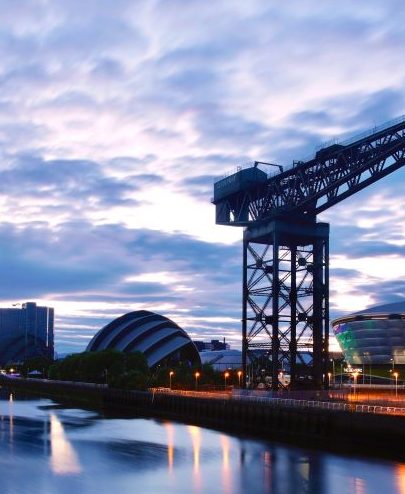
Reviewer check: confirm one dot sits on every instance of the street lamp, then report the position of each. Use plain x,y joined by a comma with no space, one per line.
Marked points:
355,374
333,369
197,375
396,383
329,378
367,354
239,376
226,375
171,374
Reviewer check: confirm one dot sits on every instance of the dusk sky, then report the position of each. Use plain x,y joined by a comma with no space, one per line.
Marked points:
117,116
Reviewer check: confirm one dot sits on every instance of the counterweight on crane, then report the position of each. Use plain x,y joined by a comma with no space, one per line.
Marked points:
285,312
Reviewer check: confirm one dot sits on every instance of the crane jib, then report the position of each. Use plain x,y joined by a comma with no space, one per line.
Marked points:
333,174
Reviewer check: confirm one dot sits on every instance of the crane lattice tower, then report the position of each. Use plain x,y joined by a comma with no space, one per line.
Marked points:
285,312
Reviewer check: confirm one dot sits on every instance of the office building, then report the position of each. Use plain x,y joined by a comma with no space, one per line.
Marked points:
26,332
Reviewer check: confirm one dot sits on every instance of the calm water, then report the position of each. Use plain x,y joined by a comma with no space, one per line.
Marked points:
46,448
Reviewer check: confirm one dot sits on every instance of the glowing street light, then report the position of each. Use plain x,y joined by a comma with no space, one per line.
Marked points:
239,376
355,374
171,374
226,375
197,375
329,378
333,370
396,383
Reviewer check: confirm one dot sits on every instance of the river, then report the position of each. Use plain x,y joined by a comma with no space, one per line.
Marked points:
48,448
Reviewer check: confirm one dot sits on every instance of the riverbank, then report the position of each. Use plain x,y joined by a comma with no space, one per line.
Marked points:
345,431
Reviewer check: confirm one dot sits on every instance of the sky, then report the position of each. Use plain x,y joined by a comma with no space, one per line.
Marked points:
117,117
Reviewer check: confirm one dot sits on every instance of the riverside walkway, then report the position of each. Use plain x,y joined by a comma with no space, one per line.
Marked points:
271,401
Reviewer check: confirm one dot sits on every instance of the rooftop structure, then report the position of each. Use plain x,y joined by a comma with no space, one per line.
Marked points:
212,345
222,360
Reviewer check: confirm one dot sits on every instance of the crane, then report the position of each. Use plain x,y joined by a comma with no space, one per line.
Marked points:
285,294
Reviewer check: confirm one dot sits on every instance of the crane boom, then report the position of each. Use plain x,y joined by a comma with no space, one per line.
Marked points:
308,188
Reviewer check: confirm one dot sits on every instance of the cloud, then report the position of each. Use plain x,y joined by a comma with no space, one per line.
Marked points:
114,124
62,188
81,265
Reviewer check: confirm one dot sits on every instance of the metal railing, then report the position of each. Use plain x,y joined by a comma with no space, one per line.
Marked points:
288,402
243,397
344,141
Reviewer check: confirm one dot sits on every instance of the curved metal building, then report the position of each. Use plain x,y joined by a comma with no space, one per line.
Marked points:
157,337
373,336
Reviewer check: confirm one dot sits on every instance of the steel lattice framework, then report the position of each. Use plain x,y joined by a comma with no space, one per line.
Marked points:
286,251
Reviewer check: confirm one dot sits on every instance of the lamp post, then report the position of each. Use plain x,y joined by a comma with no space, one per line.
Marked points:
396,383
333,370
239,376
367,354
355,381
329,378
197,375
226,375
171,373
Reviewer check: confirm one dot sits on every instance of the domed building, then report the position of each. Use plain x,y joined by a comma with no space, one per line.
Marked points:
373,336
161,340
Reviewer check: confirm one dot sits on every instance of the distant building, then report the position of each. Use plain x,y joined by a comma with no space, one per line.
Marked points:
26,332
222,360
212,345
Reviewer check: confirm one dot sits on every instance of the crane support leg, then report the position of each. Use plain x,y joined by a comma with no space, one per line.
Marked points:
244,318
285,303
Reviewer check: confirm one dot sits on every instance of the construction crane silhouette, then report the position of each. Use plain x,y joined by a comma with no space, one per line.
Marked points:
285,312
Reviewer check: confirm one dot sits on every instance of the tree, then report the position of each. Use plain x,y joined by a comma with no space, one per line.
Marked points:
107,366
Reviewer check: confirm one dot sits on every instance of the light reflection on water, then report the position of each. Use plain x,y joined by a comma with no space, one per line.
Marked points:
45,448
401,478
64,460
